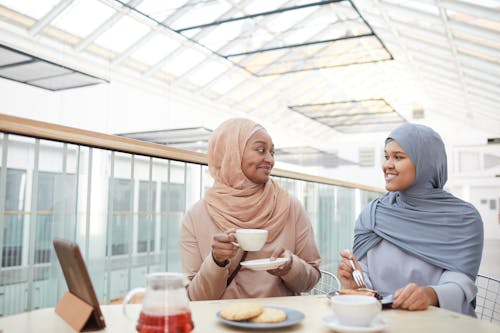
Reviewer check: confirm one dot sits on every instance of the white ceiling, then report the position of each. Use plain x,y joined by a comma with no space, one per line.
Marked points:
445,54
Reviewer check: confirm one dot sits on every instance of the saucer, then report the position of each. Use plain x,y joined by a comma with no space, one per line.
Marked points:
263,264
331,321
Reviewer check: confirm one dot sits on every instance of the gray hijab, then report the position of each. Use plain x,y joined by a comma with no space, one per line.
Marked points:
424,220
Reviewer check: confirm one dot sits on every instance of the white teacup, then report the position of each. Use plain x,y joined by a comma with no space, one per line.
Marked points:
355,310
251,239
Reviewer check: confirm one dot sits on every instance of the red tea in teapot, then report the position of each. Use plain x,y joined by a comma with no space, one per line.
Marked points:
165,306
173,323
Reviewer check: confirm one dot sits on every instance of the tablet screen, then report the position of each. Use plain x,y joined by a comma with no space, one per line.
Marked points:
77,277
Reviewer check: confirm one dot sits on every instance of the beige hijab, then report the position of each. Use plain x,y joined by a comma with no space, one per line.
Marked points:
235,201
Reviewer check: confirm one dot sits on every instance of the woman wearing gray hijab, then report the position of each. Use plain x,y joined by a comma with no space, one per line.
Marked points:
417,241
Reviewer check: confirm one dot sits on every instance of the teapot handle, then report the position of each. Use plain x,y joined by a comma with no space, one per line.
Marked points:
128,298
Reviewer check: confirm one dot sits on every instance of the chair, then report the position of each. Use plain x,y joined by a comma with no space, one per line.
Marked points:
488,298
328,282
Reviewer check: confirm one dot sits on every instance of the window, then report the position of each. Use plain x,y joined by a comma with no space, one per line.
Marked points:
56,199
173,205
120,192
366,157
14,218
493,204
44,217
146,219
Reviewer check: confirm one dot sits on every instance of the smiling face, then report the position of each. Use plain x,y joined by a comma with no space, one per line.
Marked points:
258,157
399,170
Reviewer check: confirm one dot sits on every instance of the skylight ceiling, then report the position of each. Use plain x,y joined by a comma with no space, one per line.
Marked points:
261,56
283,38
353,116
310,156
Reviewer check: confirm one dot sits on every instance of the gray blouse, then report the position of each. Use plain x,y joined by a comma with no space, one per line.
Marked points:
390,268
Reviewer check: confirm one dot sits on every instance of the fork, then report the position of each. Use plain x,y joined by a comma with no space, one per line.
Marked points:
357,275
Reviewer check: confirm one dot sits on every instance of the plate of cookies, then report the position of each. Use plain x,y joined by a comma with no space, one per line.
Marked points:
252,315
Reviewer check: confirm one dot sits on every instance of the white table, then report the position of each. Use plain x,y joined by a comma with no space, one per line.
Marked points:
205,320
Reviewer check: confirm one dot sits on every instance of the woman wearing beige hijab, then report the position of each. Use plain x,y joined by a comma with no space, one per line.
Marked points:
240,159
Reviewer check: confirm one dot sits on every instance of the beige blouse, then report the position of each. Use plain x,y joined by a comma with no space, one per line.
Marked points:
208,280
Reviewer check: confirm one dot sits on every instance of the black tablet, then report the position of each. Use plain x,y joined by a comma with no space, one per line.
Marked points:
78,279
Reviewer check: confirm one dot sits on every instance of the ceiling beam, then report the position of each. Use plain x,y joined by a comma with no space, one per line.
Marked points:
120,12
49,17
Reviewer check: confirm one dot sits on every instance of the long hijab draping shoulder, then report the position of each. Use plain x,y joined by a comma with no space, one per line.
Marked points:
424,220
234,201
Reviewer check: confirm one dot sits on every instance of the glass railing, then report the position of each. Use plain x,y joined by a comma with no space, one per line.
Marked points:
122,201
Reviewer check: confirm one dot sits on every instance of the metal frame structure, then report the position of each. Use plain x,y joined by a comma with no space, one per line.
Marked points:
445,53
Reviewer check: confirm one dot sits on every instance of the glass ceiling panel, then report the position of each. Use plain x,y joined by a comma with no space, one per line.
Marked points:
227,82
339,53
160,9
182,62
411,17
259,6
155,49
201,12
485,3
261,33
362,114
361,119
82,17
207,73
36,9
473,20
238,37
386,128
309,156
220,35
122,35
490,40
426,6
245,89
289,19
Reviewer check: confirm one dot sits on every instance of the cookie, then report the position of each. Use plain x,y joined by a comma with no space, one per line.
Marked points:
269,315
241,311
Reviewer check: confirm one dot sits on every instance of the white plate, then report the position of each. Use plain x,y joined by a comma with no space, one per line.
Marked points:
263,264
292,317
331,322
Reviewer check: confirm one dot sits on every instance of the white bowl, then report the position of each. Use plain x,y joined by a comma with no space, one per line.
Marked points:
355,310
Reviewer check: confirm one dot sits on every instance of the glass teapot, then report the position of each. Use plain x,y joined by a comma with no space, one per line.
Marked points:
165,307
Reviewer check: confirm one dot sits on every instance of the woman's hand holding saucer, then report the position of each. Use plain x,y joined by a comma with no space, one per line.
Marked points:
285,267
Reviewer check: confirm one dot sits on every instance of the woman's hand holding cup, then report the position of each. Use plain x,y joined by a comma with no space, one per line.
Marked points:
223,248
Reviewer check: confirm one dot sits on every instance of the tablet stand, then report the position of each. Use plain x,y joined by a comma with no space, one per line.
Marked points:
78,314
